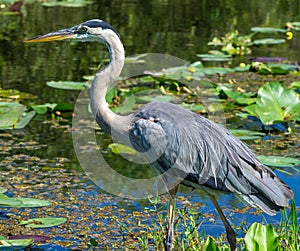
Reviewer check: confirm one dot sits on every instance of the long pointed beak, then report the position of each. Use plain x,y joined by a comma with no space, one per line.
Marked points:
52,36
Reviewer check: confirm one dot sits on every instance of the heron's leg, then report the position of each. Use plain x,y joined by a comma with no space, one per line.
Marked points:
231,237
169,241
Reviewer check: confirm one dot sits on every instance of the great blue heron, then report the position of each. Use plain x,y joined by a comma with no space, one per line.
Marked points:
205,154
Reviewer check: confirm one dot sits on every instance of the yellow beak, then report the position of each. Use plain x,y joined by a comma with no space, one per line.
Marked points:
52,36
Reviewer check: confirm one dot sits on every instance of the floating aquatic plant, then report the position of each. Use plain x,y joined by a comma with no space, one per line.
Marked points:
275,104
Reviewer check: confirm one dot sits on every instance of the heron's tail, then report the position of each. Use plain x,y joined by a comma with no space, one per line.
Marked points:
270,194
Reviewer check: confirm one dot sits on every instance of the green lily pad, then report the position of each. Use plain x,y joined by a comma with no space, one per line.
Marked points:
42,109
127,105
268,30
193,107
244,134
67,3
112,92
216,70
68,85
295,85
149,98
275,103
121,149
7,245
260,237
278,161
14,115
215,57
15,94
262,68
240,98
22,202
267,41
43,222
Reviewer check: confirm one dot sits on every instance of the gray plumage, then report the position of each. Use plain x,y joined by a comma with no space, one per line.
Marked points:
180,144
206,154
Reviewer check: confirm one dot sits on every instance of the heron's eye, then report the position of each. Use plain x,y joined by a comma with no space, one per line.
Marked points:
83,29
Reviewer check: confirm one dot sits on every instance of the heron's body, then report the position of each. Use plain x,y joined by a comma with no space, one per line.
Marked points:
185,146
205,154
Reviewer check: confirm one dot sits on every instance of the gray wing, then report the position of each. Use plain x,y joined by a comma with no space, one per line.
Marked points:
205,154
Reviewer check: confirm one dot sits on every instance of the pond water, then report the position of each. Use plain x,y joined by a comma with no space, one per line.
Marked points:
178,28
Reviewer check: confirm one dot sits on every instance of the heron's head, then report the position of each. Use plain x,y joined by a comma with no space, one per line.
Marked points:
92,30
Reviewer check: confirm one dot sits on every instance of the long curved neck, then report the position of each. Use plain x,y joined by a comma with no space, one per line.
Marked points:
109,121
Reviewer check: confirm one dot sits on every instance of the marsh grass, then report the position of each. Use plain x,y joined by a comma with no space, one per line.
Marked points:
190,235
289,235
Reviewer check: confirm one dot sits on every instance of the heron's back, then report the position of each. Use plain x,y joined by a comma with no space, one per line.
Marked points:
202,153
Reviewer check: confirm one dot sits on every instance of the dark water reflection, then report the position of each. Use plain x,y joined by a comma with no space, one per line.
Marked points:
179,28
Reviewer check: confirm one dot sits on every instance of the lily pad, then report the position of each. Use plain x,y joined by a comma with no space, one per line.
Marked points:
242,98
43,222
67,3
68,85
127,105
270,68
244,134
267,41
275,103
22,202
295,85
14,115
215,57
216,70
15,94
268,30
121,149
6,244
279,161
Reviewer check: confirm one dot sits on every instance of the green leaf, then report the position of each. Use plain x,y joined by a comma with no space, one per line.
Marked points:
267,41
261,238
6,244
210,245
216,70
215,57
67,3
25,119
93,242
295,85
149,98
9,202
67,85
127,105
10,114
43,222
268,30
15,94
112,92
193,107
244,134
63,107
14,115
31,202
42,109
275,103
278,161
22,202
239,97
121,149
